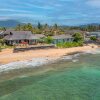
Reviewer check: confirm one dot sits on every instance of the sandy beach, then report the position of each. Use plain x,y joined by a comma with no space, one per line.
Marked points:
7,55
37,58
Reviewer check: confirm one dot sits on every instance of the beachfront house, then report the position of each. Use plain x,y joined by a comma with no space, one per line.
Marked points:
18,37
62,38
90,34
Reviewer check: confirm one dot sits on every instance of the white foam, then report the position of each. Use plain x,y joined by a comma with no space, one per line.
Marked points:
76,55
73,57
97,51
67,57
70,57
75,60
35,62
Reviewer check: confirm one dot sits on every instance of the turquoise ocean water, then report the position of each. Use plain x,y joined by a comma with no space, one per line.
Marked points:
76,79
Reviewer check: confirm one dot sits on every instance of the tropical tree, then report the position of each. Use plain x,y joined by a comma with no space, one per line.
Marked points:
2,42
55,26
93,38
48,40
4,28
39,25
78,37
46,26
30,27
18,27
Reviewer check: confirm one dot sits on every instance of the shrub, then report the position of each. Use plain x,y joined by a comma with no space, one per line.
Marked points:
48,40
93,38
78,37
69,44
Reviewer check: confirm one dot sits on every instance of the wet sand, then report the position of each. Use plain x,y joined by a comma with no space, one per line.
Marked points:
7,55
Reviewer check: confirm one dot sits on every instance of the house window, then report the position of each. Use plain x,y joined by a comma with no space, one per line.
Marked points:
67,40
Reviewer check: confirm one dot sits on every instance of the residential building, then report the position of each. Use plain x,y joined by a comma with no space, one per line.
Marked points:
18,37
62,38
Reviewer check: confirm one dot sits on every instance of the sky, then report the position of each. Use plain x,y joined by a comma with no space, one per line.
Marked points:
62,12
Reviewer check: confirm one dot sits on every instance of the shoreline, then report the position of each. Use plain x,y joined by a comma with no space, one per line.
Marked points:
37,58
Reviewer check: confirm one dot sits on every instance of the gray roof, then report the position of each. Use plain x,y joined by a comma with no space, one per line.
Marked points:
37,36
63,36
94,33
21,35
8,31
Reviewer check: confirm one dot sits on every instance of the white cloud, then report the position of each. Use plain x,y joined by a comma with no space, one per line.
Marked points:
37,6
4,18
94,3
14,10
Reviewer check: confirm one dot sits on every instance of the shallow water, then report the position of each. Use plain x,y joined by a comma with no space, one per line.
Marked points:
74,79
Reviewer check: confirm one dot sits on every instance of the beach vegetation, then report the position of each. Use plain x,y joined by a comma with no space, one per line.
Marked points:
93,38
2,42
69,44
78,41
78,37
3,45
48,40
3,28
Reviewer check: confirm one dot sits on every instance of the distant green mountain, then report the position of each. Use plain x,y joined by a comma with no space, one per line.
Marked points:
9,23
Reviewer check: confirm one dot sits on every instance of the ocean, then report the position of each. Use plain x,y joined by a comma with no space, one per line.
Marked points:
74,77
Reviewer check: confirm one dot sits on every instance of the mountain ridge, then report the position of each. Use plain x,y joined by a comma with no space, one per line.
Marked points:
9,23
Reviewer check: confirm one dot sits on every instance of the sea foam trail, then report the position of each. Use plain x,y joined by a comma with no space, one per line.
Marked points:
75,57
35,62
97,51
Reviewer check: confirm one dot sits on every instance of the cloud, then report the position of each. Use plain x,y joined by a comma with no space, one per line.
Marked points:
51,11
14,10
94,3
4,18
40,7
